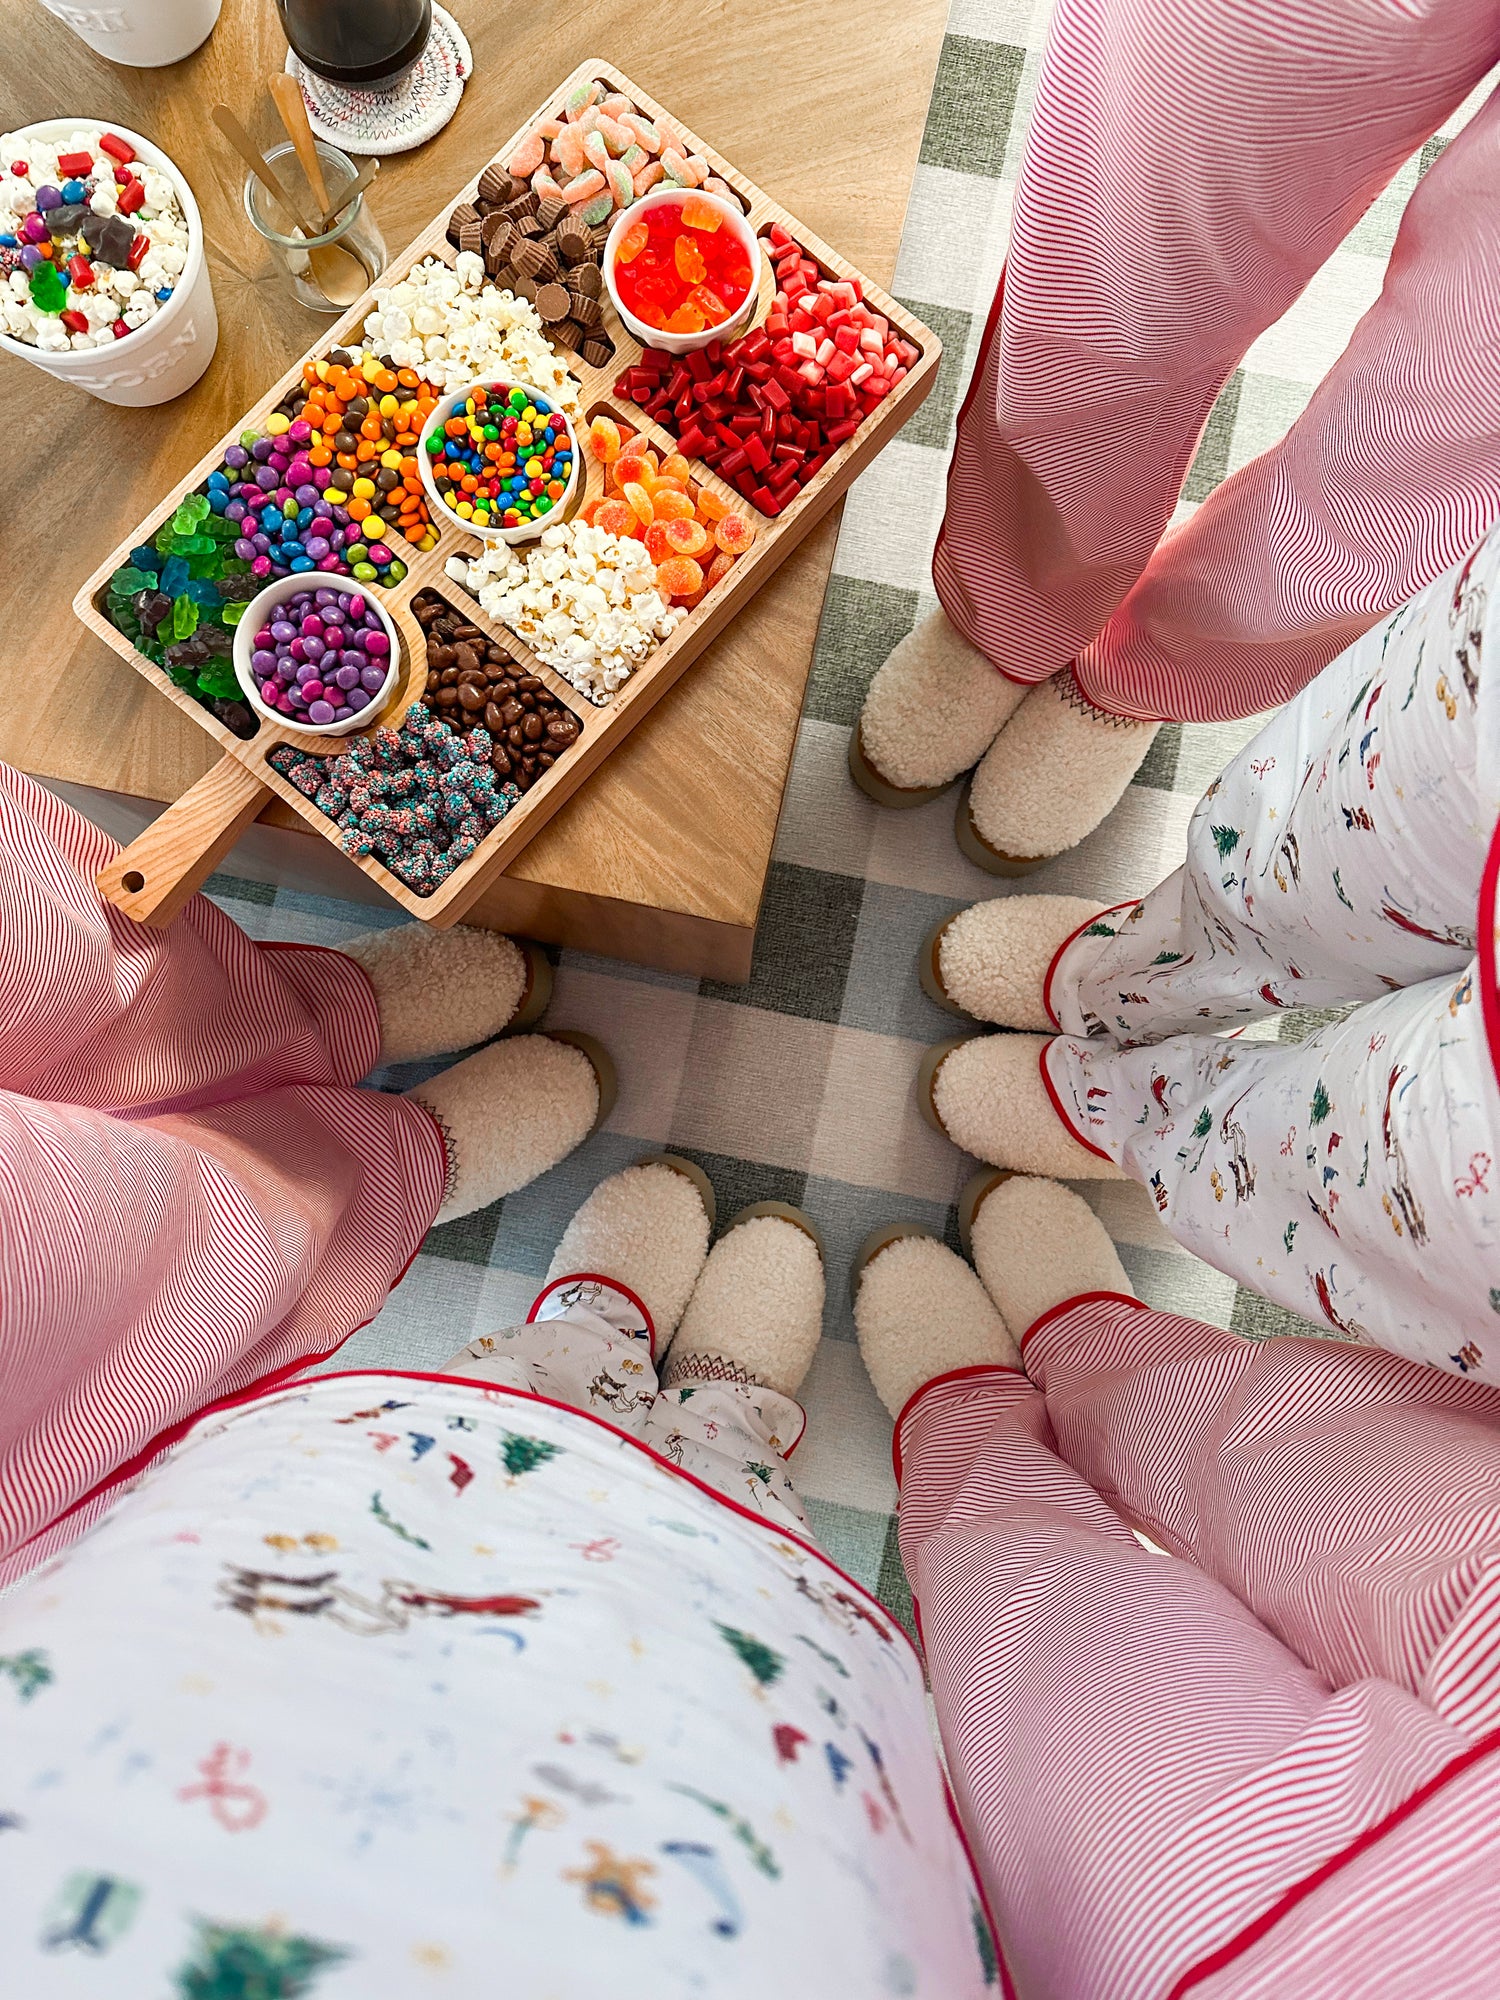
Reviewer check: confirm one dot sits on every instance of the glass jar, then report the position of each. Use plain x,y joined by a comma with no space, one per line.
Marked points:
354,228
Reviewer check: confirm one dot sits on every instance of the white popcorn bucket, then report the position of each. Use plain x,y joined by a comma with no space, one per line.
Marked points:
161,359
142,34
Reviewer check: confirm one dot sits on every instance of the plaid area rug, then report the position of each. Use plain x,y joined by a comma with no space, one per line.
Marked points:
799,1085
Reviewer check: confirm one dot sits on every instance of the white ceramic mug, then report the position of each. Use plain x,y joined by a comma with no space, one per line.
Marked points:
164,357
143,34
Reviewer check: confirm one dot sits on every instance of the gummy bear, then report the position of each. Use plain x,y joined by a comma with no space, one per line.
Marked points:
146,557
174,576
184,618
202,590
128,581
48,292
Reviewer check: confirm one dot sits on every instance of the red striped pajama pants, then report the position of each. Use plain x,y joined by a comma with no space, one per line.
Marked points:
1268,1761
1191,165
193,1199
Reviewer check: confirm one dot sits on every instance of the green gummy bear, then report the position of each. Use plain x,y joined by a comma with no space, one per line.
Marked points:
196,545
128,581
183,523
232,614
217,681
184,618
48,292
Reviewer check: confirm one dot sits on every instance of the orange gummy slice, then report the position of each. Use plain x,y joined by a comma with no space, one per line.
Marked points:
604,439
657,546
710,506
700,214
718,569
671,505
688,538
632,243
640,500
675,466
689,261
734,534
679,577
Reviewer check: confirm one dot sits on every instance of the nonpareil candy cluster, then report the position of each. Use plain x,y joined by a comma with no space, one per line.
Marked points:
419,798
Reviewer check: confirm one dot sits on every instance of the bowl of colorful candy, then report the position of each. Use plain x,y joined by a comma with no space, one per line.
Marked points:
320,654
105,284
499,460
682,268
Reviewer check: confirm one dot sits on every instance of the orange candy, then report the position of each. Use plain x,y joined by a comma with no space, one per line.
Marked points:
688,538
734,534
657,546
680,576
670,504
604,439
710,506
639,499
616,517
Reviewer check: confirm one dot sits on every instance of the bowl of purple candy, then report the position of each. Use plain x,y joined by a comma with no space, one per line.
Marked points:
319,654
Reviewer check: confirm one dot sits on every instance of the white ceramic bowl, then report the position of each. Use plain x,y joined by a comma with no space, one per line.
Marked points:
444,516
653,336
258,613
164,357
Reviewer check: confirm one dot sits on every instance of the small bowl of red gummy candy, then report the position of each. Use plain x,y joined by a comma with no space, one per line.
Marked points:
682,268
320,656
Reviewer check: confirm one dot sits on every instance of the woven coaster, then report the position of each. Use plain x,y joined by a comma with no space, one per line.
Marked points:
392,121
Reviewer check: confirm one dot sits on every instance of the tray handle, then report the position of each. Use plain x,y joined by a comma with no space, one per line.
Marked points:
153,877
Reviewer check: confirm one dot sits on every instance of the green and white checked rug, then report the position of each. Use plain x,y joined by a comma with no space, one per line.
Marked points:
799,1085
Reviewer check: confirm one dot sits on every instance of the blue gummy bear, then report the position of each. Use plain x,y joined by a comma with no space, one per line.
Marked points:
174,575
146,557
203,591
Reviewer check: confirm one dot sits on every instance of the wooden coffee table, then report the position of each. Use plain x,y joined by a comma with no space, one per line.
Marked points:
662,857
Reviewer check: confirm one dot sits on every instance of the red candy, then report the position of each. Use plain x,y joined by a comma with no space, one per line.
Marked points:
80,276
75,322
118,149
75,165
132,197
764,412
138,251
681,268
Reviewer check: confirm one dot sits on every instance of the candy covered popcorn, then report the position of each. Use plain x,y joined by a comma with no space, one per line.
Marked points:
584,600
454,327
92,240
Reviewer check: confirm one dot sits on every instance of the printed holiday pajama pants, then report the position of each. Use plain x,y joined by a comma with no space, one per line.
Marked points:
1191,164
1347,854
193,1198
589,1342
1267,1762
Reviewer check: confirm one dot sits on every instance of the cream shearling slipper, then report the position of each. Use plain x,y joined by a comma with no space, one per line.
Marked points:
985,1092
1035,1243
647,1228
932,711
920,1312
1059,766
514,1110
990,961
443,990
756,1314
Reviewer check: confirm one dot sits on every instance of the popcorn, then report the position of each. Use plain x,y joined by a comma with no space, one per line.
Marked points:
454,327
585,601
108,206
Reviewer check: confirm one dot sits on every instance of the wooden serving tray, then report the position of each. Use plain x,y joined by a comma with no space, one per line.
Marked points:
154,876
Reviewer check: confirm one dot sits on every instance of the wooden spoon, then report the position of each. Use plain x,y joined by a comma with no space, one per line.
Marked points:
289,102
344,195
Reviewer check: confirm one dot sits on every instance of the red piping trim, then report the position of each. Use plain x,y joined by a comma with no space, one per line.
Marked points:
1258,1927
1072,938
1489,998
1007,1987
971,1372
596,1278
1080,1299
1057,1105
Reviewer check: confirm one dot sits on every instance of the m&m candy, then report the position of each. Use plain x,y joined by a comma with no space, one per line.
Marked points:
503,457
